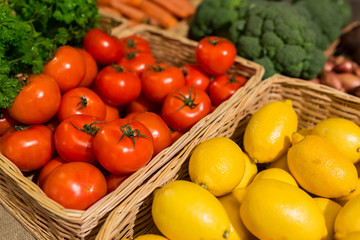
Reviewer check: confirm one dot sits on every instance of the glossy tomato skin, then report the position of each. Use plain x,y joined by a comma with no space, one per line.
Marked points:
142,104
104,48
29,149
76,185
117,152
137,62
116,86
48,168
158,81
37,102
67,68
113,181
158,128
91,69
184,107
195,77
215,55
175,135
224,86
135,43
81,100
72,142
6,121
112,113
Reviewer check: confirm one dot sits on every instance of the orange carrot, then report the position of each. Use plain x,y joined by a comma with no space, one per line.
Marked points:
165,18
180,8
135,3
129,11
103,2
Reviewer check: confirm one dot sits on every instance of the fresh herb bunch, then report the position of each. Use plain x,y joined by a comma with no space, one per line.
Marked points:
30,32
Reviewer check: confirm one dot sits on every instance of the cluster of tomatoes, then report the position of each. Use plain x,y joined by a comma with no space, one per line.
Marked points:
99,113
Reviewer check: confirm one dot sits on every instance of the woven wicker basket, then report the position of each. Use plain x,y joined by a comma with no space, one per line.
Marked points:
111,21
45,219
312,102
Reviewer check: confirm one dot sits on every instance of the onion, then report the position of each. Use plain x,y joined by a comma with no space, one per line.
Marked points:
331,79
349,81
347,66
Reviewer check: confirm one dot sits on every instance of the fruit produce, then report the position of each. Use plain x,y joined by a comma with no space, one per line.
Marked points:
218,165
268,134
251,170
347,220
276,174
150,237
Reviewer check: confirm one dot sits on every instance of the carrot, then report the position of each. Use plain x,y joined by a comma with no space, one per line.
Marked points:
180,8
134,3
103,2
165,18
129,11
108,9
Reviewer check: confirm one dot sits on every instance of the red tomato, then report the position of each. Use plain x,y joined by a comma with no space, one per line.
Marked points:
195,77
37,102
48,168
158,128
104,48
135,43
175,135
116,86
81,100
67,68
215,55
184,107
74,138
76,185
142,104
91,69
113,181
224,86
112,113
137,62
6,122
123,146
160,80
29,148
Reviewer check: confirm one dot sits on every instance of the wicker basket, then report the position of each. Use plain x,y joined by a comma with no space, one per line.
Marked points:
111,21
312,102
45,219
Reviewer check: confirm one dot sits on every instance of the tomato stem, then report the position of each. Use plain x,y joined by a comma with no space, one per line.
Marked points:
131,55
231,79
20,128
188,101
118,68
83,102
131,43
130,133
88,128
213,42
157,68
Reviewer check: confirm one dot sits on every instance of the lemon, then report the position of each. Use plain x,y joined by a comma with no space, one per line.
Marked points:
183,210
150,237
320,168
330,209
351,236
343,200
272,209
305,131
250,171
348,218
232,207
239,193
343,133
268,133
218,164
276,174
280,163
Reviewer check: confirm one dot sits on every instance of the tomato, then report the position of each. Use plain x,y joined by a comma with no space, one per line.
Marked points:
28,147
104,48
74,138
6,122
67,68
158,128
184,107
137,62
215,55
175,135
123,146
76,185
160,80
195,77
224,86
91,69
116,86
131,115
135,43
113,181
37,102
48,168
112,113
81,100
142,104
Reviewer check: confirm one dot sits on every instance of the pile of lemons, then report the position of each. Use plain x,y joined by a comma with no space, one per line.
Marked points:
286,183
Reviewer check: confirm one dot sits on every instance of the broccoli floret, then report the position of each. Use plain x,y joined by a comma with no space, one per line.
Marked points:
249,47
268,65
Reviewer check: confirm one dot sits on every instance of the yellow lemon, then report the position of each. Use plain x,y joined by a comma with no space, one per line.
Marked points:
273,209
217,164
330,209
183,210
343,133
280,163
249,174
348,218
239,193
305,131
276,174
150,237
343,200
320,168
351,236
268,133
232,207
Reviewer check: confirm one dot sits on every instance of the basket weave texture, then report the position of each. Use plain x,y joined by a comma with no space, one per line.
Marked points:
46,219
312,103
